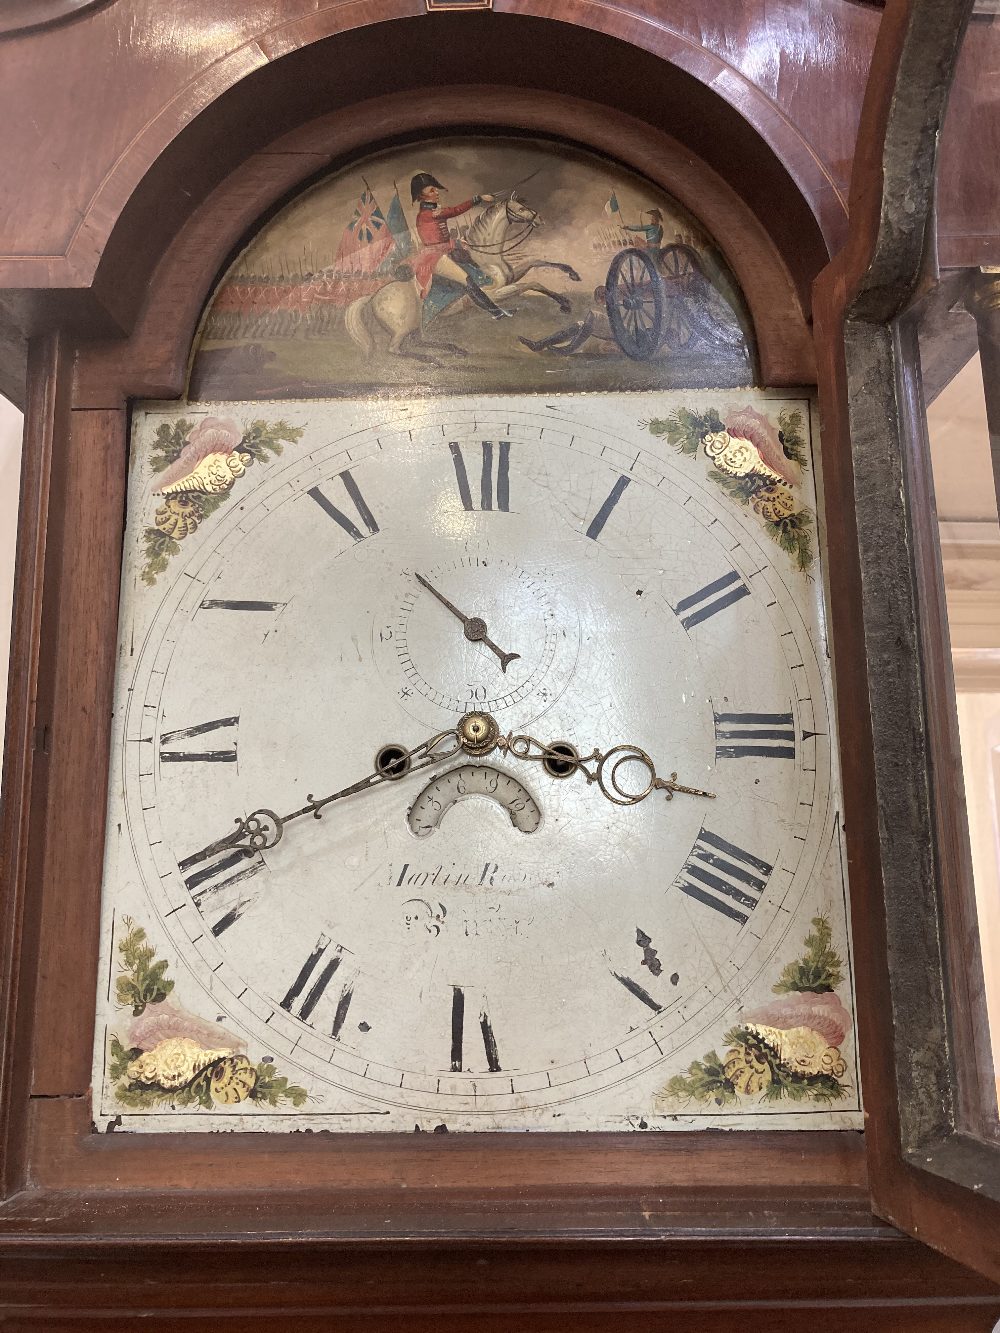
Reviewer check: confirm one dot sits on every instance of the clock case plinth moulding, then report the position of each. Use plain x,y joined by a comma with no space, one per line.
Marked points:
554,1223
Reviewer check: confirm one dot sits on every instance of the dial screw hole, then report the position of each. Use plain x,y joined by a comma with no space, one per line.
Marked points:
393,761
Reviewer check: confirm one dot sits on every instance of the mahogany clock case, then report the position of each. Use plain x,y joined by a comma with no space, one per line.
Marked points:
68,1188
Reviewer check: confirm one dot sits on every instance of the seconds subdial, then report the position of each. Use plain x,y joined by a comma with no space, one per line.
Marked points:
523,658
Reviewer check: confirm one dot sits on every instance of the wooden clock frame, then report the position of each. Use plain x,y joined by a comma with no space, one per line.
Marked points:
528,1231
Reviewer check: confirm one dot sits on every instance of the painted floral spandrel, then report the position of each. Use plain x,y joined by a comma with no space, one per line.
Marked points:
173,1059
199,463
789,1048
756,462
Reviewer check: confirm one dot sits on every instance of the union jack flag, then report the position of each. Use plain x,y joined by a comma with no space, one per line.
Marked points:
366,240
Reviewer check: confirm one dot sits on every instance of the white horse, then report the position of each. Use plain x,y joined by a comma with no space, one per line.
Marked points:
501,228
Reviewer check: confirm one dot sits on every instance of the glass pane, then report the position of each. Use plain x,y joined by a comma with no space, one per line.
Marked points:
966,500
10,487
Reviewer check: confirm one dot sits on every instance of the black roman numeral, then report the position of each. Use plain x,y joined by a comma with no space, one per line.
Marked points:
169,740
724,877
231,604
343,1004
711,599
312,981
357,499
638,991
754,736
604,513
219,881
488,498
458,1034
318,987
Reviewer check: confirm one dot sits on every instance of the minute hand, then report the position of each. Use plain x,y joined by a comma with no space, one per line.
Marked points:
263,829
475,627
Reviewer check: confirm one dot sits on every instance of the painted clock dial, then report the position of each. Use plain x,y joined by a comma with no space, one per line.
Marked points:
326,600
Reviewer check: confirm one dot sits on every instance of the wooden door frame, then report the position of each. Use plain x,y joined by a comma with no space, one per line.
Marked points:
934,1170
626,1214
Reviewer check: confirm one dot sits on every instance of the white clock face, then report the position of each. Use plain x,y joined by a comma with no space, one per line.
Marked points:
487,941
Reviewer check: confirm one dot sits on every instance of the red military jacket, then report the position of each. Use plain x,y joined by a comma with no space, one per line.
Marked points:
432,228
432,223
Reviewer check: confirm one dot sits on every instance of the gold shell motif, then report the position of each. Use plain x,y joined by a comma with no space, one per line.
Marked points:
745,1071
802,1050
774,503
173,1063
212,475
232,1080
737,457
178,517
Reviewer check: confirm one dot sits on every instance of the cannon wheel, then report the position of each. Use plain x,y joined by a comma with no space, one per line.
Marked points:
679,264
679,261
635,302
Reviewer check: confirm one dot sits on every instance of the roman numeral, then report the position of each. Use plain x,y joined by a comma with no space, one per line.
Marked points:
724,877
318,984
488,499
343,1004
458,1034
357,499
312,982
193,755
604,513
754,736
229,604
711,599
219,883
638,991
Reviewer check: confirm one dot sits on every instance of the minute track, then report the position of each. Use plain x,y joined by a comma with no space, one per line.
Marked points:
552,915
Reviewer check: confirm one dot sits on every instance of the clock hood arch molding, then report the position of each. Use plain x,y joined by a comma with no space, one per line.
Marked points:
153,362
248,103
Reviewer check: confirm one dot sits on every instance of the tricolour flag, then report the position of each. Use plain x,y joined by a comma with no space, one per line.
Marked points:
399,227
366,240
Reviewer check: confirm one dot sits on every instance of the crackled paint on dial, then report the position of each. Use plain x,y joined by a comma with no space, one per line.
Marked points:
413,965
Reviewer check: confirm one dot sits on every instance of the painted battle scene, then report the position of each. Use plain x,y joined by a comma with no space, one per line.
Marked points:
471,264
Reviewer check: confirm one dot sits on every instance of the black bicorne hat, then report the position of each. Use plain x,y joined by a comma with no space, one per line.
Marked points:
420,182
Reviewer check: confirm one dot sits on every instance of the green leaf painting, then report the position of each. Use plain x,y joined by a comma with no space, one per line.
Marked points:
172,1059
819,969
197,466
141,981
788,1050
754,462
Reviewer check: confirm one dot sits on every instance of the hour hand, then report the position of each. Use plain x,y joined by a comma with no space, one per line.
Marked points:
476,630
263,829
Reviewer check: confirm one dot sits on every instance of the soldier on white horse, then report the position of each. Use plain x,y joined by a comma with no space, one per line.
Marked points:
441,255
404,308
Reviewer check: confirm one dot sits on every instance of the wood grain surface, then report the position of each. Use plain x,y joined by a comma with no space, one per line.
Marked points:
137,199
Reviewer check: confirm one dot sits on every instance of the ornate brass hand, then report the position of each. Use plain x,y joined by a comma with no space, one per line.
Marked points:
475,627
263,829
479,733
